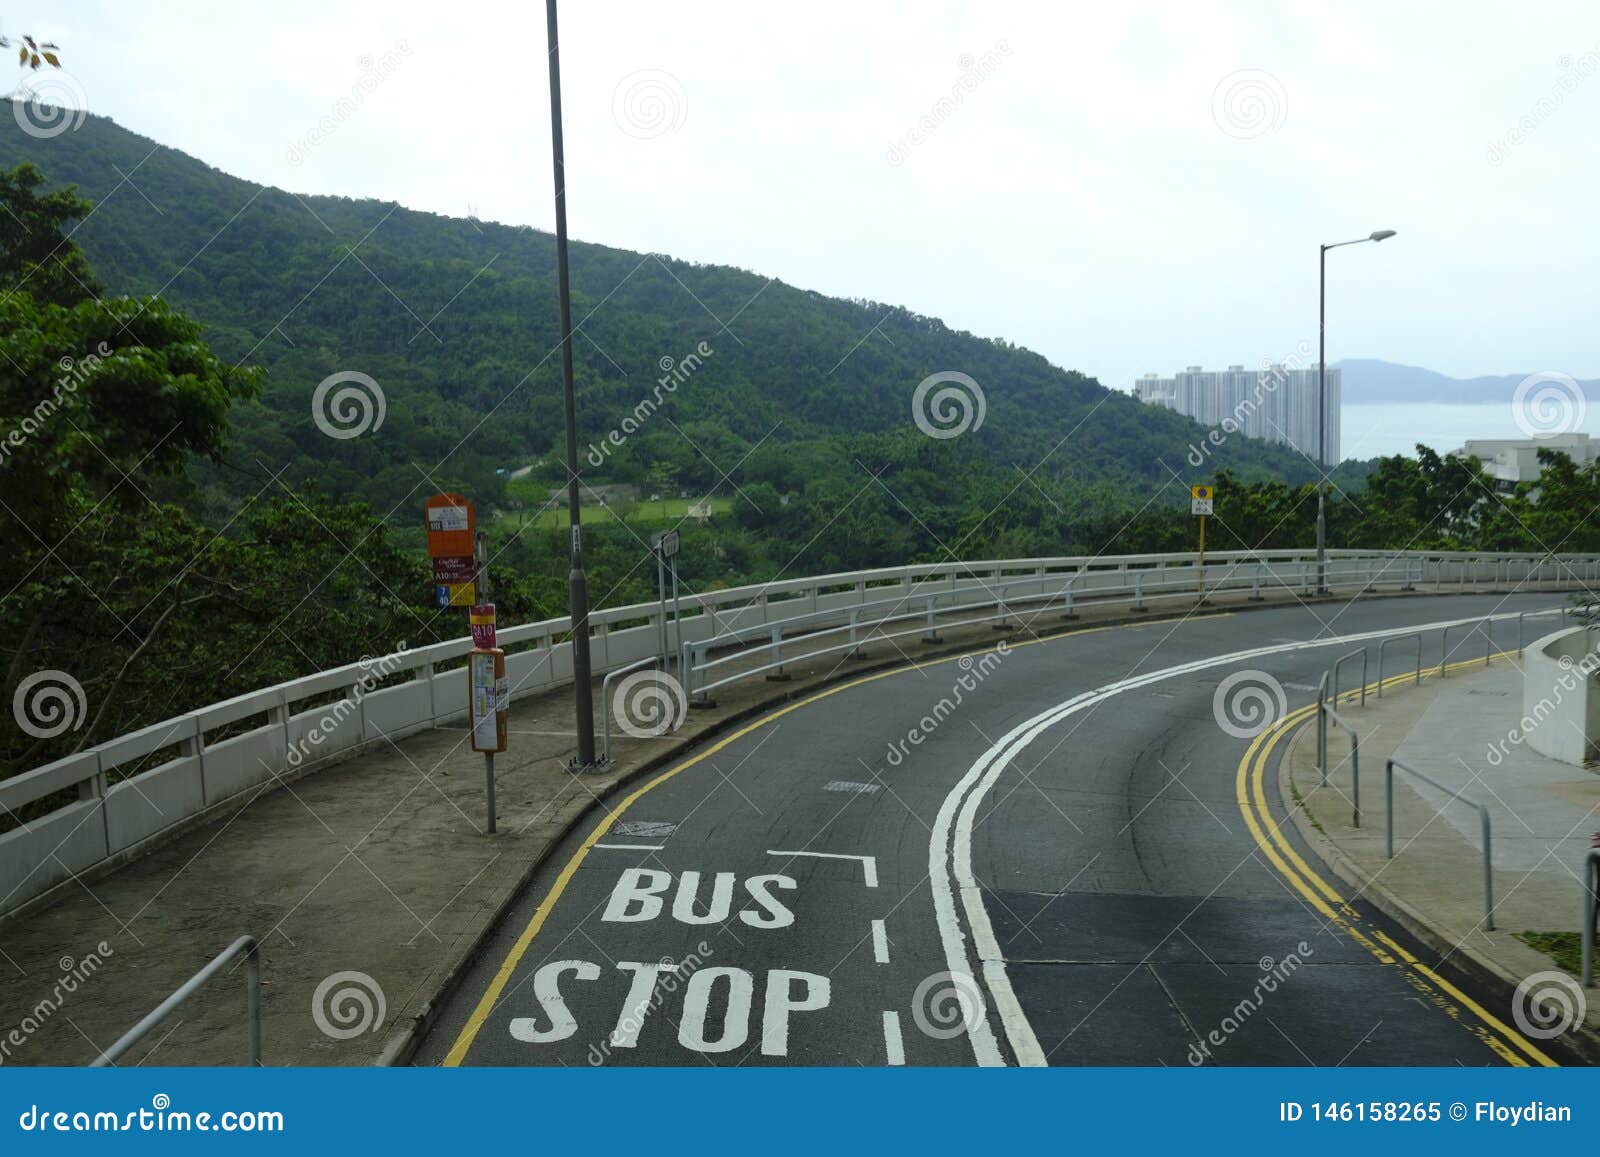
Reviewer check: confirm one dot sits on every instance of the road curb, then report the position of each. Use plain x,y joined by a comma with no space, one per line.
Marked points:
1583,1038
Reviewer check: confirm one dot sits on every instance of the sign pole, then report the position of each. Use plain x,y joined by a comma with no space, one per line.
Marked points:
481,584
1201,498
677,616
577,581
661,595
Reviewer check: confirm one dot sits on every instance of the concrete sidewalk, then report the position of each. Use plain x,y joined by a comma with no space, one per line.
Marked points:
1541,812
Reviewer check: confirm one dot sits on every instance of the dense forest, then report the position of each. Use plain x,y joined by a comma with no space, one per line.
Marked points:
182,526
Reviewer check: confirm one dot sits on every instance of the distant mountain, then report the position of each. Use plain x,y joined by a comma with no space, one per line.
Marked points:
1369,381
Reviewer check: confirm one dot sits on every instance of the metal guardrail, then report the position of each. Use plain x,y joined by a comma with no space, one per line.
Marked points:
1003,598
1340,661
605,698
1325,712
217,752
245,946
1483,817
1444,644
1402,638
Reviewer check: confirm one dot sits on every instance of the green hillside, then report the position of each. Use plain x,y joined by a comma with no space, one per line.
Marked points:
456,321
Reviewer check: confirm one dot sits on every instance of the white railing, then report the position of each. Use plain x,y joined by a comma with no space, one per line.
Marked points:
205,757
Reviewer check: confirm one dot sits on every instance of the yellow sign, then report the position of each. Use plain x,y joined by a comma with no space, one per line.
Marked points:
1200,492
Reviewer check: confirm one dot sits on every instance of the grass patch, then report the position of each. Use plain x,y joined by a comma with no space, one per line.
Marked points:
1300,803
1565,948
662,512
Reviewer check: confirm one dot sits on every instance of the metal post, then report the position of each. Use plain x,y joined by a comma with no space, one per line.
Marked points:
677,610
1322,414
484,593
1591,905
252,1002
1388,809
1488,872
661,602
577,582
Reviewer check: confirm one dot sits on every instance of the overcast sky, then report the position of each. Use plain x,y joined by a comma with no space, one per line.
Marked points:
1123,187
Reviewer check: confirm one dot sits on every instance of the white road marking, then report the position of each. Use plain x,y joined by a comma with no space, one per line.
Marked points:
869,864
950,847
631,847
892,1044
880,942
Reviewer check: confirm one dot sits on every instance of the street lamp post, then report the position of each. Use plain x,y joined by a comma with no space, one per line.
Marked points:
577,582
1322,398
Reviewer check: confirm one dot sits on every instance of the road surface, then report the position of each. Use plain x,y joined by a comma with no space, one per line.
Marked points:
1031,857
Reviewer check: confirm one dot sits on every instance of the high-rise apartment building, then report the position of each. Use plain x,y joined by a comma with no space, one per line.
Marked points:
1276,403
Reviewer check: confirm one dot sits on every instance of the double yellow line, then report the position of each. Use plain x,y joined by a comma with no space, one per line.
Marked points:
1505,1041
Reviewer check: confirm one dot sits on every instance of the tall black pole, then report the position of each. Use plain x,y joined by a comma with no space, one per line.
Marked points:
577,583
1322,415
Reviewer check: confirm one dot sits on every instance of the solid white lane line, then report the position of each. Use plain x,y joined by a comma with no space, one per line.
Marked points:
632,847
893,1046
880,942
869,864
950,845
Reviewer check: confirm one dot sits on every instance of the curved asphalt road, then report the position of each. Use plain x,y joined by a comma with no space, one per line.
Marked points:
818,889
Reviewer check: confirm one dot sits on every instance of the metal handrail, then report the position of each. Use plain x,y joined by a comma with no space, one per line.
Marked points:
605,699
1355,758
1340,661
1400,639
762,637
1483,817
1444,643
245,946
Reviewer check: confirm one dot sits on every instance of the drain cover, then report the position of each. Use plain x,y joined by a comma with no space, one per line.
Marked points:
856,788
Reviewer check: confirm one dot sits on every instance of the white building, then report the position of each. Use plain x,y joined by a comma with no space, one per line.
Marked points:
1512,460
1277,404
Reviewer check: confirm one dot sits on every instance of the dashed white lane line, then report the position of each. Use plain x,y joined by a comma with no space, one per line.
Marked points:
880,942
892,1044
950,848
869,864
631,847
